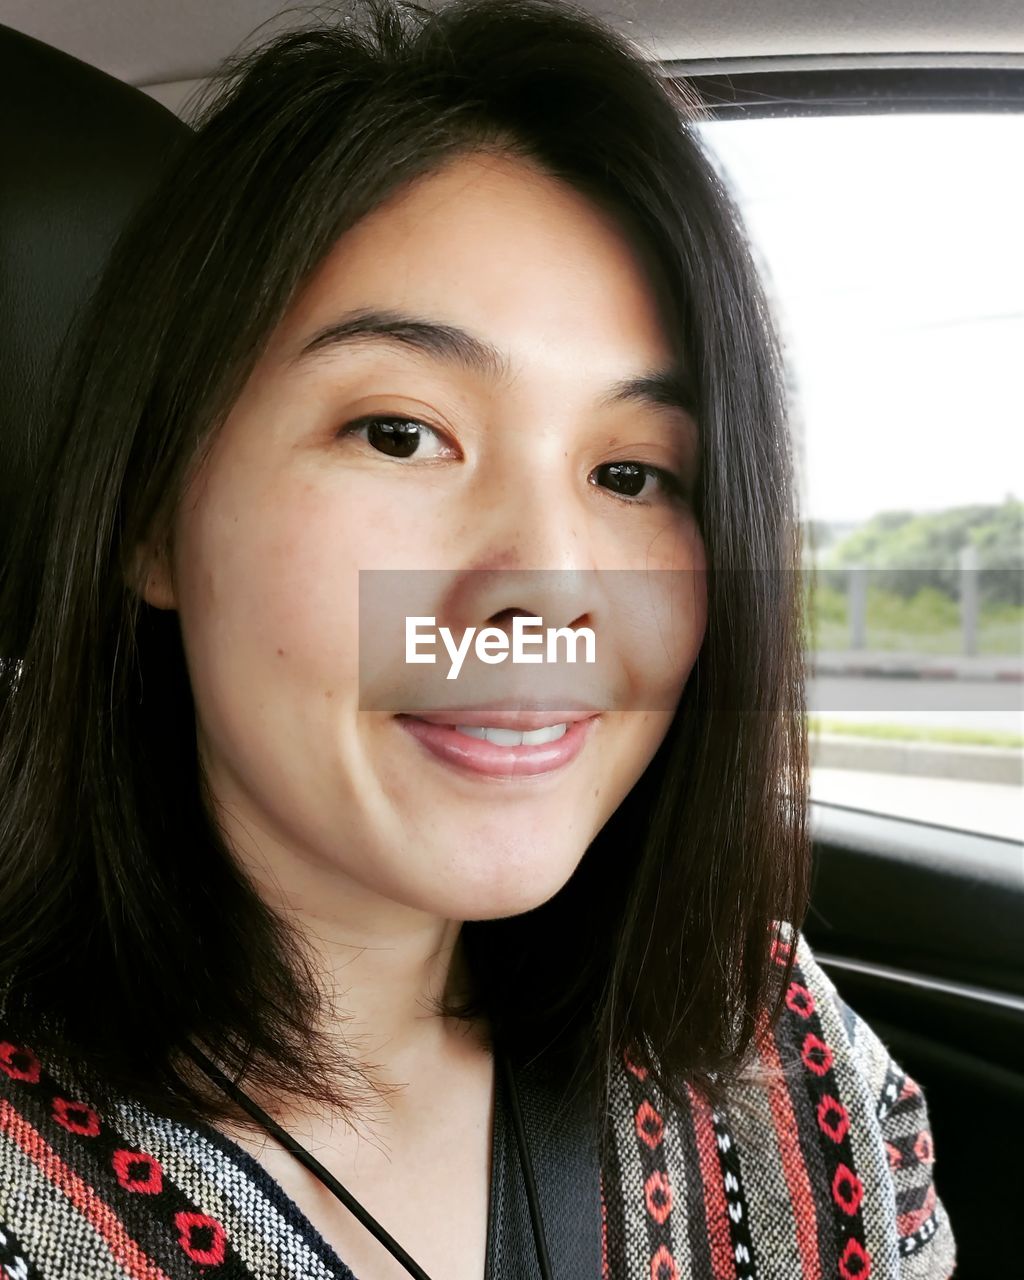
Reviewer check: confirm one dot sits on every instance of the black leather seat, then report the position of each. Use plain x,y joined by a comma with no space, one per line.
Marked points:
78,151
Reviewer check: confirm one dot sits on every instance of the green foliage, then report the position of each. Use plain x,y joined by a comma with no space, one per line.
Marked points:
922,552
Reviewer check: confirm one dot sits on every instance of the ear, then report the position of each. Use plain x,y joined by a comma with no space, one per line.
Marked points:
152,575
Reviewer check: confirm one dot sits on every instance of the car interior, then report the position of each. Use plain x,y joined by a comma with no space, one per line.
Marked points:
920,923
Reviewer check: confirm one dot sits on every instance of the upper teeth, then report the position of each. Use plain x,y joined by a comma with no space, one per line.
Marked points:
514,737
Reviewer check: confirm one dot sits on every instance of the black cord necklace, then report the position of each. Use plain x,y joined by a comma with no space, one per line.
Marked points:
348,1199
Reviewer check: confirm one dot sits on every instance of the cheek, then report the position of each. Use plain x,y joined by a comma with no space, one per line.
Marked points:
271,580
691,594
660,615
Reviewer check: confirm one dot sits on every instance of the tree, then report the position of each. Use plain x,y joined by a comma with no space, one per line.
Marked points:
923,550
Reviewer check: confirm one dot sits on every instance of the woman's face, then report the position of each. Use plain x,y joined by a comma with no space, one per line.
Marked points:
333,770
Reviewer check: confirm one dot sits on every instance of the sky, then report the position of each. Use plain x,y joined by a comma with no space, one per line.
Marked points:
892,247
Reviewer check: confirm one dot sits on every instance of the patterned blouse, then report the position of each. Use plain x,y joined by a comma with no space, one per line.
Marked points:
820,1168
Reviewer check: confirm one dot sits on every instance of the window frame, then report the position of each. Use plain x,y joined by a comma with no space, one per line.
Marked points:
945,903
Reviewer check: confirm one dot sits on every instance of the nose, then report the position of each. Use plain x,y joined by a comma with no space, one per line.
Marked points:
529,554
567,603
564,598
527,514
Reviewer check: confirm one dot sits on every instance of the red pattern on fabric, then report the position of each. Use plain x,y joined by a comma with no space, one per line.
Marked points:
213,1246
847,1189
854,1264
100,1216
816,1055
605,1274
137,1171
664,1266
833,1118
76,1117
631,1066
29,1071
924,1148
799,1000
650,1127
780,951
658,1196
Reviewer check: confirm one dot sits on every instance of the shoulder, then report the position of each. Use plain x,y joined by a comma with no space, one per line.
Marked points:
821,1162
77,1197
126,1193
45,1191
841,1054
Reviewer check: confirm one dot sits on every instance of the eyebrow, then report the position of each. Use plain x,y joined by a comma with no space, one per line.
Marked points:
664,388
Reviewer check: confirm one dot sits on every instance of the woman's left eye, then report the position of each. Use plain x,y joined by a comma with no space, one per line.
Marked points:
397,437
637,481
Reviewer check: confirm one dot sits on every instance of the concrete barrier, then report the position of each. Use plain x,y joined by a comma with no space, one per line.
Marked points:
924,759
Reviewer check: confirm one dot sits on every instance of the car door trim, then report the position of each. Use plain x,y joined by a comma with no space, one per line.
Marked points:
964,991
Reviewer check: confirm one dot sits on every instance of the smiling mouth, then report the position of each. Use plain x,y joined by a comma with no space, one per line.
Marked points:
537,744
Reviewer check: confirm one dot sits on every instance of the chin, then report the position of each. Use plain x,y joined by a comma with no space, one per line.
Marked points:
499,887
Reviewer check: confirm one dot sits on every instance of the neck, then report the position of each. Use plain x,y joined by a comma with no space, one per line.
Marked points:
385,969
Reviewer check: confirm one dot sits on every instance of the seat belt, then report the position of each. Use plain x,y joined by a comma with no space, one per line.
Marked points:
560,1160
544,1215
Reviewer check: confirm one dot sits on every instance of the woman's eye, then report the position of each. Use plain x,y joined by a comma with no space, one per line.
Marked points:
398,437
637,480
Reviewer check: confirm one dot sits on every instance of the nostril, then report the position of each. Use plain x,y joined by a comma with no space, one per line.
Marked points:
508,614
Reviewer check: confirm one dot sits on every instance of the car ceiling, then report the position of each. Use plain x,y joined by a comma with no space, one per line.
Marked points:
167,46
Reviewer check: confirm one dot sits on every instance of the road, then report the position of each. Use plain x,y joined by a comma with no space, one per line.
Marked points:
969,806
960,704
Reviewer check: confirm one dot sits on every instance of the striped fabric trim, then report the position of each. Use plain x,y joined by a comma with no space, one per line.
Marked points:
843,1133
210,1209
729,1260
808,1158
605,1273
79,1224
715,1220
895,1134
690,1243
101,1181
634,1158
925,1241
783,1217
270,1233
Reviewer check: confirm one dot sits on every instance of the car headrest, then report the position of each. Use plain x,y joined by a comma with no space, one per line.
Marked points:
78,152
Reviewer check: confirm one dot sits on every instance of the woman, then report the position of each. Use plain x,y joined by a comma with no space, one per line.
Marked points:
438,317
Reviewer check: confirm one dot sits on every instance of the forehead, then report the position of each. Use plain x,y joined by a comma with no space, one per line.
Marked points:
494,244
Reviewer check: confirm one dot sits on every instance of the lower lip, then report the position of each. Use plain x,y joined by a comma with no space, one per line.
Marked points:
476,755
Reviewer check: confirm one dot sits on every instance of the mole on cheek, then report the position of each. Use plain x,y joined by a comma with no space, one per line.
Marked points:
280,653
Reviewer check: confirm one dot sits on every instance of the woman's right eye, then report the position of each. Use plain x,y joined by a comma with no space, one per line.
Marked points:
398,437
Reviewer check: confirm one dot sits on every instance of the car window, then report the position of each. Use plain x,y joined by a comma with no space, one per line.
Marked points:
890,244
